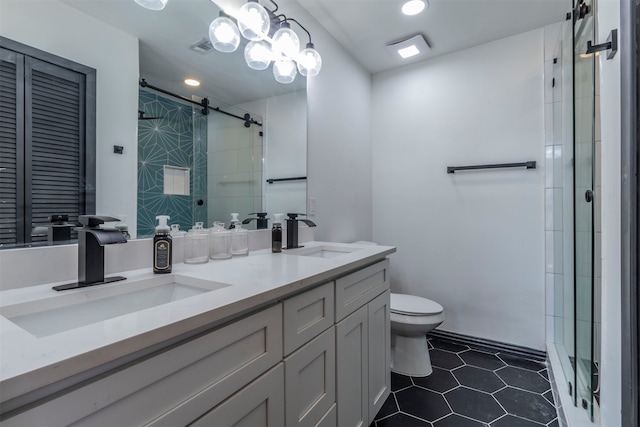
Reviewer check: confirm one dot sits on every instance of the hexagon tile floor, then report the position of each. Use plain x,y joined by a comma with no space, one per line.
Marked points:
471,387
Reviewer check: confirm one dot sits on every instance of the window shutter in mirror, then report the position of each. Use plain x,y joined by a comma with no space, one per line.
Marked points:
55,138
11,143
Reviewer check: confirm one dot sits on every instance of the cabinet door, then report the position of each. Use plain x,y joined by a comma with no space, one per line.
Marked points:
352,349
379,353
259,404
310,380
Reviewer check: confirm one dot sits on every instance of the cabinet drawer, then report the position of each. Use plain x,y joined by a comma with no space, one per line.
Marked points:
356,289
211,367
307,315
310,380
259,404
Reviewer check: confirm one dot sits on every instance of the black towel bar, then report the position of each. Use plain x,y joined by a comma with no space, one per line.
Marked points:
297,178
528,165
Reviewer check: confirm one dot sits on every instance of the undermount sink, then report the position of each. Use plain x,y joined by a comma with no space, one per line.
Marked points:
62,313
322,251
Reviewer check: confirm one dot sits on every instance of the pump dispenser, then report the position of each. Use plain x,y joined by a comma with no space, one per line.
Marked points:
162,246
276,234
239,237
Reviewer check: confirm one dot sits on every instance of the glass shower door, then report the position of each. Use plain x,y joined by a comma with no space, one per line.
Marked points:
584,147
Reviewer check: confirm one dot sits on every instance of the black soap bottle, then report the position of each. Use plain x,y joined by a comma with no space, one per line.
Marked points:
276,234
162,250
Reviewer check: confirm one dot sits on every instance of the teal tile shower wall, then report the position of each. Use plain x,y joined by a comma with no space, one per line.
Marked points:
178,137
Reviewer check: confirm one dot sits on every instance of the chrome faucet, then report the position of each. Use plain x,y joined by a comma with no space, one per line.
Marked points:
292,229
91,242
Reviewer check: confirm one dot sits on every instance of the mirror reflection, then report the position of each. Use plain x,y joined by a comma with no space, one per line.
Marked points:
226,164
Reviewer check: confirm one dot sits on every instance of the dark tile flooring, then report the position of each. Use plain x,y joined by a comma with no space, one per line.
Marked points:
471,387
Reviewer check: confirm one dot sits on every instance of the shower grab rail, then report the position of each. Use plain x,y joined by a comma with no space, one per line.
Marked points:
528,165
297,178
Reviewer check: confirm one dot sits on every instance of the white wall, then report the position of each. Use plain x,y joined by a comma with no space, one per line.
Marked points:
610,378
338,140
472,241
54,27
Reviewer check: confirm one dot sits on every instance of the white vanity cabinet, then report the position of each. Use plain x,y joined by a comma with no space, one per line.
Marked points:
317,358
362,344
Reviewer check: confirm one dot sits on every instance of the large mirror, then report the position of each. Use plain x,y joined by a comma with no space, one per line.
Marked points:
226,162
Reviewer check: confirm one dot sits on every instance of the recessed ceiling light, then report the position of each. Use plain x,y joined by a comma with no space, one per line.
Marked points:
413,46
191,82
414,7
408,52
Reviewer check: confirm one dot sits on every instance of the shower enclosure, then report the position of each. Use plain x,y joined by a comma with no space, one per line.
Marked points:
196,167
576,205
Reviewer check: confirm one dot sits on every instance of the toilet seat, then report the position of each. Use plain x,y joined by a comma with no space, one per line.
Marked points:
411,305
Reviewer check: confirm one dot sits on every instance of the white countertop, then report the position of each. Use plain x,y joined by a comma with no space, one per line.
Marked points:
28,363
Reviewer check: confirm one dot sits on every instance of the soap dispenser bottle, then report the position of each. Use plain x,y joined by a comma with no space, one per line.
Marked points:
276,234
162,246
239,237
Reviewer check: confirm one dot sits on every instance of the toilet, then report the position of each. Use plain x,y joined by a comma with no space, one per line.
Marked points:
411,318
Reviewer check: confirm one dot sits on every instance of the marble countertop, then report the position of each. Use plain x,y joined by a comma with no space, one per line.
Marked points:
28,362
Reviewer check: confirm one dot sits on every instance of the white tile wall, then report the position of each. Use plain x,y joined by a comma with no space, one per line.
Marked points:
554,179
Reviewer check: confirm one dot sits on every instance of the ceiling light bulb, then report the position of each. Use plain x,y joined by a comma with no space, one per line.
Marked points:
414,7
192,82
258,55
152,4
224,34
408,52
309,61
286,41
253,21
284,70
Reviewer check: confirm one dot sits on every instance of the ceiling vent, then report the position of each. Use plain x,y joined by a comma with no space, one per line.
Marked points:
203,47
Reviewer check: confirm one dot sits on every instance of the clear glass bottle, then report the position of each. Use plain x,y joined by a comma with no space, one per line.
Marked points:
239,237
196,250
220,238
178,237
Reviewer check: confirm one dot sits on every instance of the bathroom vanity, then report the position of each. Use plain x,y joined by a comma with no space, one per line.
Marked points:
297,338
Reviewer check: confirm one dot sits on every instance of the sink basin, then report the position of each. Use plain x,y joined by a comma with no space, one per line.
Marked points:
322,251
61,313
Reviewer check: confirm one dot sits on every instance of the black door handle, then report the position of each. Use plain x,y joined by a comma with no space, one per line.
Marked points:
588,196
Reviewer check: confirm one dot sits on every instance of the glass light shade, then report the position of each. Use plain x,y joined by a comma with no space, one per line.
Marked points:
152,4
309,61
224,34
284,70
253,21
286,41
258,55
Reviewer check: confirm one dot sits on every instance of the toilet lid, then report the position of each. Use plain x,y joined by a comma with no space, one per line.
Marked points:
414,305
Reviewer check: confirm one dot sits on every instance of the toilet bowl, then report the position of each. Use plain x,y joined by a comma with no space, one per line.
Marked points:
411,318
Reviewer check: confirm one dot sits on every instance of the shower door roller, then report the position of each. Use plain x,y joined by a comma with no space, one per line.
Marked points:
588,196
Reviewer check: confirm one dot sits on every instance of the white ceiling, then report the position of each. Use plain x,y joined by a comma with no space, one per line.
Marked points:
363,27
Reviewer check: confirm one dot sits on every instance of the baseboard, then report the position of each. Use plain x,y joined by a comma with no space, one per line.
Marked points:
529,353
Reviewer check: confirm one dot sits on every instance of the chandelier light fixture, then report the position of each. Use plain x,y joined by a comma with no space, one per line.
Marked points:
271,39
